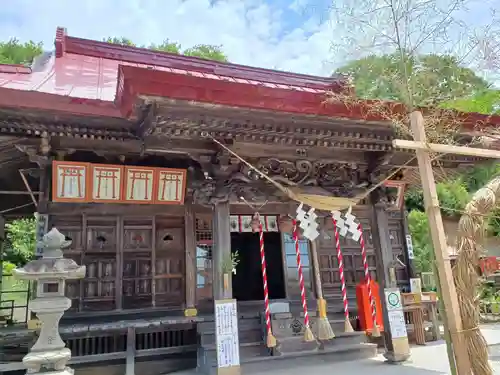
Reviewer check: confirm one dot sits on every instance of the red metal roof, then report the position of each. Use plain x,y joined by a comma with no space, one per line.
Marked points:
85,72
101,79
96,78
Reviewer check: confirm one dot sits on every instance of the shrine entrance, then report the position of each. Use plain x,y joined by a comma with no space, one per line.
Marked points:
247,283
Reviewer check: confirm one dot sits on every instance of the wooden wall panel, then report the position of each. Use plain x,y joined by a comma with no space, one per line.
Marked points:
132,262
351,251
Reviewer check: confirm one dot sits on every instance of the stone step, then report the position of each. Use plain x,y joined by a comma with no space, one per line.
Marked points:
305,359
268,364
243,324
247,351
244,336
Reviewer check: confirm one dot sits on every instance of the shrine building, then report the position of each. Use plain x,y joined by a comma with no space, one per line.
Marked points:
114,146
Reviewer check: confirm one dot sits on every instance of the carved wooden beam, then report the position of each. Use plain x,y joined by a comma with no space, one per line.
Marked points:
33,155
147,120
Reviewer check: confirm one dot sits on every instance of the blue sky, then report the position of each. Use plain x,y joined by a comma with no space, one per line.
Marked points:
293,35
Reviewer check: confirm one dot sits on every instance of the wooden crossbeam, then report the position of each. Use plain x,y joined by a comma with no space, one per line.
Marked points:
446,149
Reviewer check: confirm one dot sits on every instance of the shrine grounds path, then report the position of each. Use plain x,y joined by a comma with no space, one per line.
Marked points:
425,360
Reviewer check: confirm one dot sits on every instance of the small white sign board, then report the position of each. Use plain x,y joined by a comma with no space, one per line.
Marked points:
393,299
416,285
409,247
42,226
395,311
398,324
226,333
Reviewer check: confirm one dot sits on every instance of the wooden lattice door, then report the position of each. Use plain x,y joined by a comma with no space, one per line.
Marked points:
169,264
137,250
353,264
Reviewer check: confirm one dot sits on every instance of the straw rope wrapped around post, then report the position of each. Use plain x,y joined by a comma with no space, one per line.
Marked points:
471,228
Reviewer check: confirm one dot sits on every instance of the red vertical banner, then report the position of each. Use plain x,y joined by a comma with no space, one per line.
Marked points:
70,182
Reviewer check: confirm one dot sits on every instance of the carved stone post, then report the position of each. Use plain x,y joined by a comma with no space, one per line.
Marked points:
49,354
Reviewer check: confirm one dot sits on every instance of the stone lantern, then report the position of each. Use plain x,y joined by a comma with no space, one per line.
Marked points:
49,354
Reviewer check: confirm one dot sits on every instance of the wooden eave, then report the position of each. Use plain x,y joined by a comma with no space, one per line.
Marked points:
22,124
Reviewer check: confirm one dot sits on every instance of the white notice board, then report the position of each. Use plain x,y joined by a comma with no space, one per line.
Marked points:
226,333
395,311
397,323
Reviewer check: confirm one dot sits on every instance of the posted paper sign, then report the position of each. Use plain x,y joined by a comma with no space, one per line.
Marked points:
395,311
226,328
397,323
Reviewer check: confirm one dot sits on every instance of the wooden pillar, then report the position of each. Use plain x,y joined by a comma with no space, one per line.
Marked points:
2,249
222,248
190,243
384,260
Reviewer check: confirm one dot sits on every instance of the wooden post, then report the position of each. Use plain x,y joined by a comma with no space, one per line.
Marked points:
190,243
397,349
222,248
2,249
433,211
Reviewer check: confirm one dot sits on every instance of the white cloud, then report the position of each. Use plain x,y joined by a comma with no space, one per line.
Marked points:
282,34
252,32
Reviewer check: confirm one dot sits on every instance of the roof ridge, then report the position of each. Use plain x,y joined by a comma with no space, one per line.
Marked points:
15,68
94,48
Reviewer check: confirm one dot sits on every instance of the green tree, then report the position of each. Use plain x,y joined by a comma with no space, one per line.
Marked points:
204,51
422,246
167,46
486,102
432,79
15,52
119,40
453,196
207,51
21,241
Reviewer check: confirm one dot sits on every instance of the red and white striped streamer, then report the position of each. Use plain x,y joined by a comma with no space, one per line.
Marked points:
264,278
367,276
301,275
340,260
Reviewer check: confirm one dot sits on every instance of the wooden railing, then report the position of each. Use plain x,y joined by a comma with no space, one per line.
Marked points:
127,343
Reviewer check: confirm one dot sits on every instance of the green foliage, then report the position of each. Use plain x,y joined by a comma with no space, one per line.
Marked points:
167,46
453,196
204,51
422,245
486,102
431,78
121,41
15,52
7,268
21,241
480,175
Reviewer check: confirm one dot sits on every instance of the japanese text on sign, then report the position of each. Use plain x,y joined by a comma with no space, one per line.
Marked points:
226,328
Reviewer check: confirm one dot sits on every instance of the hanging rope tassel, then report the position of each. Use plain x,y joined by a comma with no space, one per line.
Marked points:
270,340
308,335
375,330
340,259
